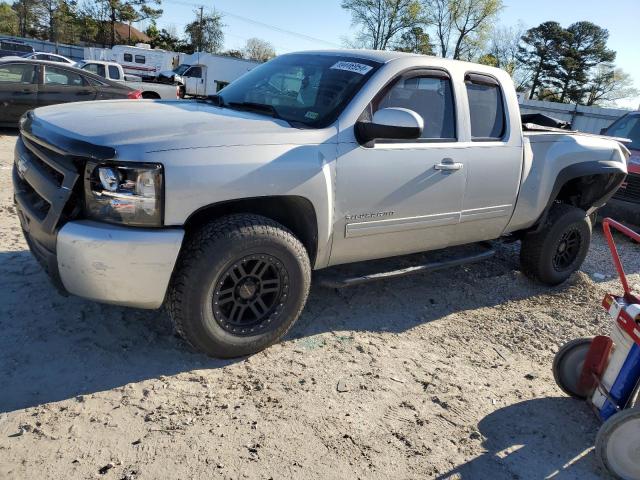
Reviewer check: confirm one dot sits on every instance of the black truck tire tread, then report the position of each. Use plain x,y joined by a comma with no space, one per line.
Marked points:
237,227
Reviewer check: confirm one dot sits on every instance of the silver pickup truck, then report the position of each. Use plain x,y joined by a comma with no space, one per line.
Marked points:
220,209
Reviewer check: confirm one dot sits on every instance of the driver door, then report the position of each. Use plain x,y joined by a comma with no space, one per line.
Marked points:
194,80
399,197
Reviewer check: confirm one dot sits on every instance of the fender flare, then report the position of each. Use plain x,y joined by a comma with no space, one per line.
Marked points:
578,170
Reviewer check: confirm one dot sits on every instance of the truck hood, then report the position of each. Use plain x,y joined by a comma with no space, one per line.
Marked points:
150,126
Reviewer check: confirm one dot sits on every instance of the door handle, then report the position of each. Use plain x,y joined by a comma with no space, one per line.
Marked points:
448,165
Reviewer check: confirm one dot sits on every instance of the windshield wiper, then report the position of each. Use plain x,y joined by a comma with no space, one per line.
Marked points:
255,107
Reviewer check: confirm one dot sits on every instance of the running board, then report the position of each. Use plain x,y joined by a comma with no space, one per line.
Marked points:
330,279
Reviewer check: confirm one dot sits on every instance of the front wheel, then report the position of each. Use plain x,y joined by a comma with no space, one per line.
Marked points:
552,254
241,283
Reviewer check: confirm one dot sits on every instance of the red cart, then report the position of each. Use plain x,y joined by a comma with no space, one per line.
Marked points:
605,371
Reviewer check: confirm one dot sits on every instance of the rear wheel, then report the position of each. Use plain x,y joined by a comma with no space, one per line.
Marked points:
241,283
559,248
618,444
567,366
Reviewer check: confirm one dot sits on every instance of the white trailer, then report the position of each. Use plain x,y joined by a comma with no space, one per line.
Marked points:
142,60
209,73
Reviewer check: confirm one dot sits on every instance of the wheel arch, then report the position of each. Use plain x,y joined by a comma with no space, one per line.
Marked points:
295,212
150,95
586,185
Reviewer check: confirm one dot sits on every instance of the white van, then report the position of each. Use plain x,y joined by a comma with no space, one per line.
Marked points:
209,73
142,60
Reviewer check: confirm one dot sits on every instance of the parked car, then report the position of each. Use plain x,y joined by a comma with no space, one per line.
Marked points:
222,208
27,84
113,71
12,48
52,57
625,204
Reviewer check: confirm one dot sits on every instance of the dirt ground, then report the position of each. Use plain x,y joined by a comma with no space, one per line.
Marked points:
443,376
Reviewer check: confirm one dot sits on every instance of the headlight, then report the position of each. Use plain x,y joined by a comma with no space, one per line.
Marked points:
127,193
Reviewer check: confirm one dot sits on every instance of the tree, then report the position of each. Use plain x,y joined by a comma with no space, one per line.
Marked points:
415,40
539,53
165,39
609,84
381,21
26,10
439,15
504,45
258,50
205,32
233,53
8,20
585,47
126,11
460,25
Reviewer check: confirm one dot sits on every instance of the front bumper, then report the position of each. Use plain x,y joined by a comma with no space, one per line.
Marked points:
103,262
119,265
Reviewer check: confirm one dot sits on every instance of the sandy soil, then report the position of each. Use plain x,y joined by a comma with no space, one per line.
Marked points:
439,376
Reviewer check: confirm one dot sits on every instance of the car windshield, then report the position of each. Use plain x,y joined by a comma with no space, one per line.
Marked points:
304,89
627,127
180,69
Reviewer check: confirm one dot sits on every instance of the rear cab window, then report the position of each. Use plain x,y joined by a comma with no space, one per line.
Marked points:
114,72
486,108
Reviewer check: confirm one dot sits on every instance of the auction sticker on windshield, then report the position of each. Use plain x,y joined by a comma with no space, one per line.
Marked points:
360,68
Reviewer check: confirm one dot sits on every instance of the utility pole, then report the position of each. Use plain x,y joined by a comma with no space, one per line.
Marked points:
201,31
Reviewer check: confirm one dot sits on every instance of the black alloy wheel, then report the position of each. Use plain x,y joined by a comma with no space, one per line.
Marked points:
250,294
567,250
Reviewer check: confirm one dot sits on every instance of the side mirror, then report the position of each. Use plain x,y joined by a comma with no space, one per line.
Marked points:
391,123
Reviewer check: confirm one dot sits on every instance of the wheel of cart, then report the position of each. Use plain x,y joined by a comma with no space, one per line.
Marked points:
618,444
605,371
567,366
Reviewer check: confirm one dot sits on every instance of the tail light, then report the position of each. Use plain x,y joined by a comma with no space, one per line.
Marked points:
134,94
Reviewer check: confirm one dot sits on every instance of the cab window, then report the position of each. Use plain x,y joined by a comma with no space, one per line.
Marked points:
486,108
114,72
95,68
430,95
194,72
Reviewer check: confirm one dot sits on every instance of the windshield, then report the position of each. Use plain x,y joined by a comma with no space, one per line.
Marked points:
627,127
180,69
301,88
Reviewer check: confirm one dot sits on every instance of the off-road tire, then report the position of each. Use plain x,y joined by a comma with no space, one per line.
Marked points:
208,255
538,252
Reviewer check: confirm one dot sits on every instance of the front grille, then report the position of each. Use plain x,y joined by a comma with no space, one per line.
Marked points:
44,182
630,189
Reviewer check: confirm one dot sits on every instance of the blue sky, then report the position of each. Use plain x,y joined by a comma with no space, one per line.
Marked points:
326,22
